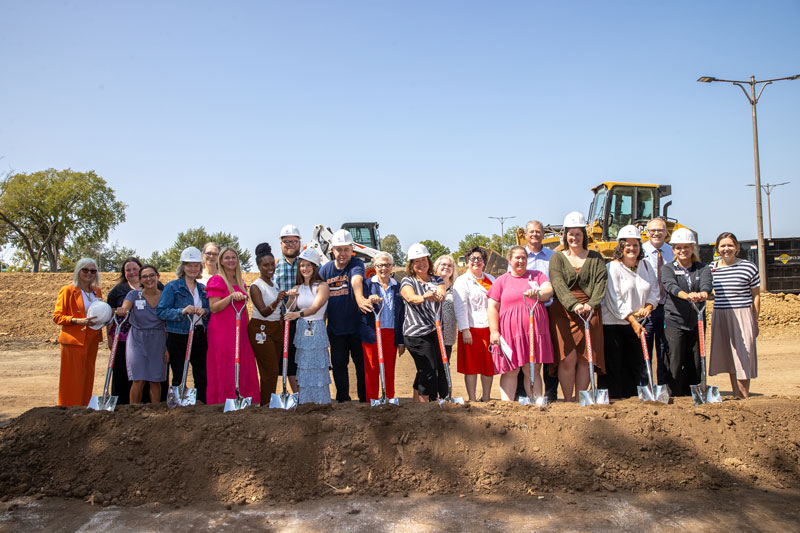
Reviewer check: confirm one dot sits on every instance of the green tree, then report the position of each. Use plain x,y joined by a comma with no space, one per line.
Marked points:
44,212
436,249
391,244
197,237
109,256
469,241
509,240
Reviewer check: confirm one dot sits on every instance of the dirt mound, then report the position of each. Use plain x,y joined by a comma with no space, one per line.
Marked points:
142,454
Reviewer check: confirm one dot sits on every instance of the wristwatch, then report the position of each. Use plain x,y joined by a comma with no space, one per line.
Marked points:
301,312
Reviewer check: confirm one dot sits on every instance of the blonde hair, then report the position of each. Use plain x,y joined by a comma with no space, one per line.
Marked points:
237,274
439,261
215,245
83,263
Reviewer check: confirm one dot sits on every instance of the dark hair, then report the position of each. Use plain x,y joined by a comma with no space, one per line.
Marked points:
476,250
620,248
314,275
583,232
410,267
726,235
149,266
122,268
263,250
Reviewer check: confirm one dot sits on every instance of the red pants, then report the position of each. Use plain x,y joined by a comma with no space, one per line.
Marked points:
372,367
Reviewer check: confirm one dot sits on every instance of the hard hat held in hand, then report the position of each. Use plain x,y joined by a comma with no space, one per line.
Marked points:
310,255
683,236
575,220
290,230
342,237
417,250
191,255
629,232
101,312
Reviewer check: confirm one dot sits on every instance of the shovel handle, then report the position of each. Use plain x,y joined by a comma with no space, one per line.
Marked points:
441,341
531,339
379,340
645,351
701,337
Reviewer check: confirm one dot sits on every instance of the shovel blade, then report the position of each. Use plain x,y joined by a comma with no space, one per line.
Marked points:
524,400
103,403
384,401
598,397
174,398
660,394
237,404
459,400
702,395
283,401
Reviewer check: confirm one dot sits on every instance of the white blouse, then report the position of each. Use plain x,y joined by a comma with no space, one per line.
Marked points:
628,291
471,301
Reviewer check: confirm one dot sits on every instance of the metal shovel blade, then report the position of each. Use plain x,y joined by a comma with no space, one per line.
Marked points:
596,397
539,401
175,399
702,395
384,401
459,400
660,394
237,404
283,401
103,403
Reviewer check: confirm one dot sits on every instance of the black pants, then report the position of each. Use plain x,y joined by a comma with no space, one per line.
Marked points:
550,384
291,365
176,346
654,333
430,380
120,385
624,361
343,348
682,360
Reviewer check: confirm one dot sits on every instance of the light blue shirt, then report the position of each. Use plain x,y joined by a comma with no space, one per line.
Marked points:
387,316
651,256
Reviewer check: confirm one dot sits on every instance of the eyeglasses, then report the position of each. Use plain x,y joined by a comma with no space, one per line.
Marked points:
656,231
89,270
476,259
291,242
384,265
212,254
148,276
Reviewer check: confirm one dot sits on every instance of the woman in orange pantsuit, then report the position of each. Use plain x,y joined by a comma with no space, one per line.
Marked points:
77,339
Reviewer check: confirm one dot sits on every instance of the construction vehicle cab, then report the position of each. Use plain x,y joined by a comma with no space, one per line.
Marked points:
364,233
616,205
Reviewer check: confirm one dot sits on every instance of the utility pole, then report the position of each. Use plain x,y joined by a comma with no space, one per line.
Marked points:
502,221
767,188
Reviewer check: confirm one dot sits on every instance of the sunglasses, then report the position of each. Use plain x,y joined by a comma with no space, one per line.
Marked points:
89,270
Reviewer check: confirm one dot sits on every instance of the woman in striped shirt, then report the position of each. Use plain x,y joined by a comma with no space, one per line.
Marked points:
734,322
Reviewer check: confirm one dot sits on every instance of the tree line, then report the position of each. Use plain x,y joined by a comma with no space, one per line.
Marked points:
52,218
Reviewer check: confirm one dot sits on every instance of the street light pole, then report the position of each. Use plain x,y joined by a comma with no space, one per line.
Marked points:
767,187
503,232
753,99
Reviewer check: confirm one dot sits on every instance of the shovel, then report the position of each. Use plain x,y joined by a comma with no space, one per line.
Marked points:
449,397
383,400
593,396
702,393
180,395
284,400
106,402
238,403
650,393
541,401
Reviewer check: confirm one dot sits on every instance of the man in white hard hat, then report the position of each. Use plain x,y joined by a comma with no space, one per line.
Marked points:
658,253
538,259
345,277
285,278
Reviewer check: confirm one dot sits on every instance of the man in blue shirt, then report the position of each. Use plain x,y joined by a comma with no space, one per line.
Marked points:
285,278
539,259
345,277
657,253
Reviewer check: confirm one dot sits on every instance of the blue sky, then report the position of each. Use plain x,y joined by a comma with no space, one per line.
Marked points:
426,116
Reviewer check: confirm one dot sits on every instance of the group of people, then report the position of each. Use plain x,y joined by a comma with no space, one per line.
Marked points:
331,312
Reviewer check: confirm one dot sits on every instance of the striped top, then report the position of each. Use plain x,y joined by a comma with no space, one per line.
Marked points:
420,318
732,285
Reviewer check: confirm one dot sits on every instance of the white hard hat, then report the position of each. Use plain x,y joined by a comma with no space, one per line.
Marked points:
290,230
629,232
417,250
191,255
682,236
311,255
342,237
574,220
101,312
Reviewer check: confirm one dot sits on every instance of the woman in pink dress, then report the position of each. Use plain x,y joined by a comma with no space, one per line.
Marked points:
226,290
508,317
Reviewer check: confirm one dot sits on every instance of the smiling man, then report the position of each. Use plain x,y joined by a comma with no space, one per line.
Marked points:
345,277
657,252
